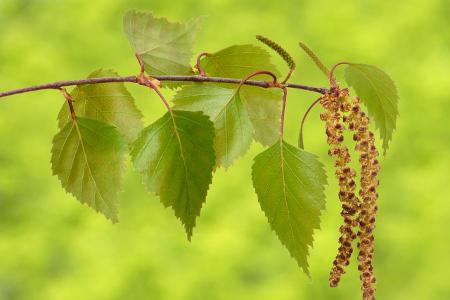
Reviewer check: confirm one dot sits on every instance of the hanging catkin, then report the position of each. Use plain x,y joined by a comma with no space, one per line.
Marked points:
335,103
358,122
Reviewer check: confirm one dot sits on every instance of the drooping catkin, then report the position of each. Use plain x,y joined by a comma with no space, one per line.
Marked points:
335,103
358,122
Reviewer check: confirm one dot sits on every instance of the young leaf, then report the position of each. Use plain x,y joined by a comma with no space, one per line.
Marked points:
105,102
88,157
377,90
175,155
165,47
315,59
226,109
263,106
290,184
238,61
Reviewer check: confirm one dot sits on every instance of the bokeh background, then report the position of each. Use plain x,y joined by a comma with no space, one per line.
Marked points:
51,247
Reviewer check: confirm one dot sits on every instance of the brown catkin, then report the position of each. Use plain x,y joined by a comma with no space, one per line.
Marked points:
358,122
335,103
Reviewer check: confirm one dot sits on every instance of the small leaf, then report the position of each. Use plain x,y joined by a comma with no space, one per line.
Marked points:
290,184
88,157
263,105
165,47
105,102
378,92
315,59
226,109
175,155
238,61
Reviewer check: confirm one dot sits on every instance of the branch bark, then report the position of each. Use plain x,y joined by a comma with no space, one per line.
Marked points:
133,79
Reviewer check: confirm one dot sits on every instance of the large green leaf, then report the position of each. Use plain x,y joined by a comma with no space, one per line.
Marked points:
229,114
238,61
176,157
377,90
165,47
290,184
263,105
105,102
88,157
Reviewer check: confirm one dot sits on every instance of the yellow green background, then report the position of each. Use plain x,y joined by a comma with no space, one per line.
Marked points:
52,247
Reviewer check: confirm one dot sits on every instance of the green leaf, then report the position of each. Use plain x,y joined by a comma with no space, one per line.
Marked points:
88,157
263,105
175,155
226,109
264,109
238,61
378,92
290,184
105,102
165,47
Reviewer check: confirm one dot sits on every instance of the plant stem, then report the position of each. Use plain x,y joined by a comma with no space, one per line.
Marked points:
133,79
331,74
300,134
283,110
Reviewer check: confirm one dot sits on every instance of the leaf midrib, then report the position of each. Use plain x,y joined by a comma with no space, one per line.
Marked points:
89,167
188,206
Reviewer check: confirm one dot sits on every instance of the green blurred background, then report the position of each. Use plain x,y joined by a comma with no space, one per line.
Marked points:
51,247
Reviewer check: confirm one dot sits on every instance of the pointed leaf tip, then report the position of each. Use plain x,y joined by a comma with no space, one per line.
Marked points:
290,186
175,156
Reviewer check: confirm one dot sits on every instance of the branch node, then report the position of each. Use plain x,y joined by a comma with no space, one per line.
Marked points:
70,101
141,63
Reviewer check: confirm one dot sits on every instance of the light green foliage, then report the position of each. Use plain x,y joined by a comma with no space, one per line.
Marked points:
226,109
264,109
290,186
263,106
52,248
105,102
175,155
88,157
238,61
378,92
165,47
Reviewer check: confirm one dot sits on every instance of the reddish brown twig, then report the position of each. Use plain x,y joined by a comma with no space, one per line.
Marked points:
331,78
133,79
198,64
69,100
300,134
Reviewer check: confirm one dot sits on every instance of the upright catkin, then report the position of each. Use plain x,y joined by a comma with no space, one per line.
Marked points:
358,122
280,50
335,103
